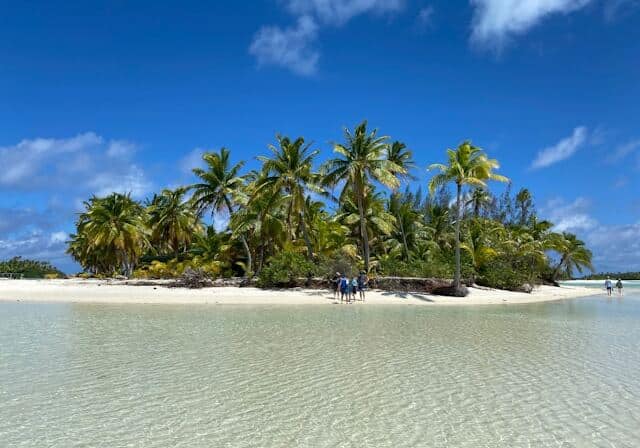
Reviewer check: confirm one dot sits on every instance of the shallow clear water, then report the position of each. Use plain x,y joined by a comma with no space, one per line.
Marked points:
554,374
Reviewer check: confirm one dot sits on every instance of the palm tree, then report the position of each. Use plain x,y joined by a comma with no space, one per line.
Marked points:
399,154
407,221
480,197
220,185
574,255
479,243
114,226
467,165
173,220
289,171
361,160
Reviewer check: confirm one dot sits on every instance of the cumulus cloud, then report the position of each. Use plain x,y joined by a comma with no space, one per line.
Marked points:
86,163
38,245
291,48
562,150
339,12
49,169
295,47
496,21
615,247
569,217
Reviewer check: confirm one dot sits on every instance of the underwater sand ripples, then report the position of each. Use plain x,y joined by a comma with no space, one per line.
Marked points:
547,375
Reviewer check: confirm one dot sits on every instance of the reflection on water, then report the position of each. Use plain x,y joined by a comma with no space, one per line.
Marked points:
553,374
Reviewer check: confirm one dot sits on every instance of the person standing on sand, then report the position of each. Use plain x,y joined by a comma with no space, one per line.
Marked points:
344,288
608,285
335,284
619,286
362,284
354,288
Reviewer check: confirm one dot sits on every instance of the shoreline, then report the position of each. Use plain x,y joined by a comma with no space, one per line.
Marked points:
126,292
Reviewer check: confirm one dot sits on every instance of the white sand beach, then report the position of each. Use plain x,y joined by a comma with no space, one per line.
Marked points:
121,292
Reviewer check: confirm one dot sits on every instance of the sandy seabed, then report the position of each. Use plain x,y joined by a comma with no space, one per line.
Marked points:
120,292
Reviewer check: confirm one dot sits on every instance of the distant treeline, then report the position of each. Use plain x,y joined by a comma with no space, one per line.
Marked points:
621,275
30,268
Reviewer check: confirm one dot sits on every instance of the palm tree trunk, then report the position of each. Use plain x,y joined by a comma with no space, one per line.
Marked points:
247,250
363,233
456,278
305,235
404,239
556,271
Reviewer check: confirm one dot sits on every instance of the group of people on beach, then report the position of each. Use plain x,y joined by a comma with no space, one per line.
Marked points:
608,284
349,289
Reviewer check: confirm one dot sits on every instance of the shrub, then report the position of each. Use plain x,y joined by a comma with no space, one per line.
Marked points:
502,273
285,269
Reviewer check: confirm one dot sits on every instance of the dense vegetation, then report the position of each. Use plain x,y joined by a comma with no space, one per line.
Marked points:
29,268
620,275
298,217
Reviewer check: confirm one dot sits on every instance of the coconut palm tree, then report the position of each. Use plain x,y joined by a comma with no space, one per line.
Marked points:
289,171
361,160
407,221
467,165
398,153
114,226
478,199
173,221
574,256
219,189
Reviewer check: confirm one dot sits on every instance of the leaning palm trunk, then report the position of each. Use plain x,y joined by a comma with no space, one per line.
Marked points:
556,271
456,277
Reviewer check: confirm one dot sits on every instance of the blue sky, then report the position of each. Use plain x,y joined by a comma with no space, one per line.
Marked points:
114,95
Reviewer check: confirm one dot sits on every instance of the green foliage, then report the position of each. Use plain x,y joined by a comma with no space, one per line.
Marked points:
175,268
288,219
620,275
285,269
502,273
30,268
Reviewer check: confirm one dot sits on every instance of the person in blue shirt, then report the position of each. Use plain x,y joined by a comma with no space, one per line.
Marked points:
344,288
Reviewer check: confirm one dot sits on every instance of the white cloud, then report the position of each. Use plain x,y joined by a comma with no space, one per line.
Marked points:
623,151
85,164
37,245
614,247
192,160
291,48
121,148
131,180
339,12
295,47
569,217
495,21
562,150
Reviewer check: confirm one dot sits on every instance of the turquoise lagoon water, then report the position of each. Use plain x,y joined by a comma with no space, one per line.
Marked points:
561,374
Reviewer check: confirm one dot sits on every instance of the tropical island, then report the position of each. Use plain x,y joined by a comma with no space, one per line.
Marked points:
296,221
